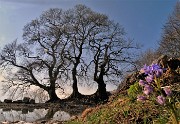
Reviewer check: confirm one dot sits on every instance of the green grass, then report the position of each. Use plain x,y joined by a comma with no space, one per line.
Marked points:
123,110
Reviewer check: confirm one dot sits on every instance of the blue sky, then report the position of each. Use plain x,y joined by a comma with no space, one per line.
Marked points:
143,20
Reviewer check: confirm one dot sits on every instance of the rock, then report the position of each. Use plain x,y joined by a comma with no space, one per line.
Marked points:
26,100
166,62
170,76
8,100
173,63
18,101
162,61
128,81
32,101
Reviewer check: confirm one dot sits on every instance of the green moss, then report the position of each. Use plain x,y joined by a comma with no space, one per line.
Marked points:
74,122
134,90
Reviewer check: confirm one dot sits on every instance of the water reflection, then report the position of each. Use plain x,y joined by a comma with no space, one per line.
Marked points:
31,115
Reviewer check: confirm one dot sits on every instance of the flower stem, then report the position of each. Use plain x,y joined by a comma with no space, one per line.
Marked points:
174,114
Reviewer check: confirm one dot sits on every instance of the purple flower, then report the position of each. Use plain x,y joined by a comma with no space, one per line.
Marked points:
158,73
155,67
149,78
157,70
148,89
141,98
146,69
142,70
161,100
167,91
142,83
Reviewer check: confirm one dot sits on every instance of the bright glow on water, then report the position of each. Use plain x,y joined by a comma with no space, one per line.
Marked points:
32,115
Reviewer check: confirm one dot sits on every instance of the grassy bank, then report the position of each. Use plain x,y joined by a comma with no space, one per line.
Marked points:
123,107
123,110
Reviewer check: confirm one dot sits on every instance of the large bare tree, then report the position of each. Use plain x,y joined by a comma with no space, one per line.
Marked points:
41,59
112,55
84,24
170,41
63,46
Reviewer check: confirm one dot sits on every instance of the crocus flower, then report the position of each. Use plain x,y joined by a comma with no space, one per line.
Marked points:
146,69
149,78
158,73
161,100
167,91
141,98
148,89
155,67
142,83
142,70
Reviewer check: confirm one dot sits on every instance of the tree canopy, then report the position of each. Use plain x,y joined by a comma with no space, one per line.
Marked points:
63,46
170,41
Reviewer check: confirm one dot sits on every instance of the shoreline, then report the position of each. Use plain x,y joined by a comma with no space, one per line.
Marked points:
74,110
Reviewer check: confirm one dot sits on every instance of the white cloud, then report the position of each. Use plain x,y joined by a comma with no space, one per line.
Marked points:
2,41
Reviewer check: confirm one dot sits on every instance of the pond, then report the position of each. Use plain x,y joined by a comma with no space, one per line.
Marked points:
32,115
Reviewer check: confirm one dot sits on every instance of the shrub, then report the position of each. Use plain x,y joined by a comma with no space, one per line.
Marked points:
134,90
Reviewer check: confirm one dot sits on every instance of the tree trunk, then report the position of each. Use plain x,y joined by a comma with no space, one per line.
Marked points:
52,93
52,96
75,93
101,93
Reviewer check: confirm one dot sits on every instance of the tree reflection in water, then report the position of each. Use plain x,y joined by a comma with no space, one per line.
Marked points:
30,115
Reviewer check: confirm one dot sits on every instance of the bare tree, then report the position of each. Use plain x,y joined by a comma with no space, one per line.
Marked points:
84,23
170,41
79,25
57,43
41,59
112,54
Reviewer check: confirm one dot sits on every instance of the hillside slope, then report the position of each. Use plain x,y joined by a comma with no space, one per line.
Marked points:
123,107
